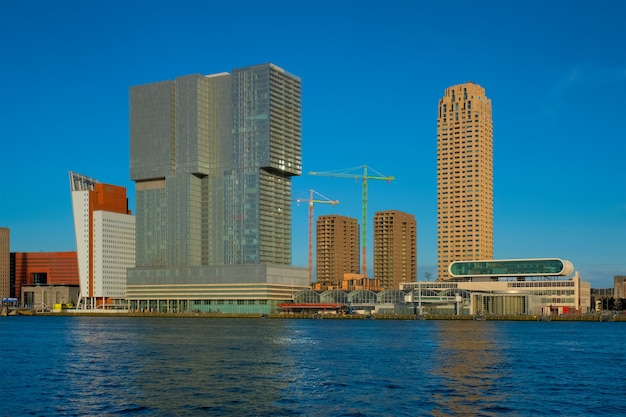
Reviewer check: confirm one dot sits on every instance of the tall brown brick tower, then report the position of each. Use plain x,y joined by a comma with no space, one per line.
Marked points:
464,176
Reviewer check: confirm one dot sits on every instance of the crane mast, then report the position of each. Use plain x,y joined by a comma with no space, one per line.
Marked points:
312,201
364,177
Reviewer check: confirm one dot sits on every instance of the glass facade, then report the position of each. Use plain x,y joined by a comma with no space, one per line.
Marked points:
513,268
212,158
180,149
266,152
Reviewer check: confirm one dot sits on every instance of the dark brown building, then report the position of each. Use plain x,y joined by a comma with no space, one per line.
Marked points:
395,248
337,249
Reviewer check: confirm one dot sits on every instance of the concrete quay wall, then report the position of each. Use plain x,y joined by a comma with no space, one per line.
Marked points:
284,316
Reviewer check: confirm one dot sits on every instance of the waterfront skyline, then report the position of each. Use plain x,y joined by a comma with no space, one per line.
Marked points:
371,80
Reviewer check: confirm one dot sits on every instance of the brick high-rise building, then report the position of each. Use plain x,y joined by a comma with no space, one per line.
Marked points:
337,249
5,263
464,176
395,248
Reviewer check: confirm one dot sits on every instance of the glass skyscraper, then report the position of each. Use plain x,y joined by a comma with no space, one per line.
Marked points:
267,152
212,158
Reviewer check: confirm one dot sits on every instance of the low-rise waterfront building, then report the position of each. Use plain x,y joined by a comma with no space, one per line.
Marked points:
519,286
42,268
46,297
361,301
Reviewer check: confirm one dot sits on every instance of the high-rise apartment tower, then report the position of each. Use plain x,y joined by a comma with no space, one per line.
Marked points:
5,263
464,176
212,158
337,249
395,248
105,239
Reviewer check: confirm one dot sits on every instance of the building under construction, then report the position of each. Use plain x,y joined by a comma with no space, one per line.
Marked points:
395,248
337,249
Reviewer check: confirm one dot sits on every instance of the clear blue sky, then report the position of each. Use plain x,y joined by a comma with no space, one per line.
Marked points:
372,75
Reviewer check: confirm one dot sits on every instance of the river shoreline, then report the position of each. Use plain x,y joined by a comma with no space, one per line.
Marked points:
283,316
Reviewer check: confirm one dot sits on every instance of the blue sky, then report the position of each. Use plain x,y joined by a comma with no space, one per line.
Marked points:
372,75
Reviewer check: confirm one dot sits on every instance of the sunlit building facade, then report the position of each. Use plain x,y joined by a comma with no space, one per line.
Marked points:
542,286
42,269
5,263
212,158
619,287
395,248
105,239
464,176
337,249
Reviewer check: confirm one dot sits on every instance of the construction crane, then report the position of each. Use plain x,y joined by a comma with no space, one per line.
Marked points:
364,177
312,201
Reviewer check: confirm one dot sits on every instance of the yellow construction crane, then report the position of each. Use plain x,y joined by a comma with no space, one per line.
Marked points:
312,201
364,177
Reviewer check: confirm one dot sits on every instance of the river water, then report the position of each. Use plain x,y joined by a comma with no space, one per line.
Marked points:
106,366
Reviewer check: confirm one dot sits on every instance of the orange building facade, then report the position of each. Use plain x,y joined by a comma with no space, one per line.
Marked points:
105,239
43,268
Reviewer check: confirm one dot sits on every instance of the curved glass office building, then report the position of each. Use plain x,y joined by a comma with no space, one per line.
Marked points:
511,268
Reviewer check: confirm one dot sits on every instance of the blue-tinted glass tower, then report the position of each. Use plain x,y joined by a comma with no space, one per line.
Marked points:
212,158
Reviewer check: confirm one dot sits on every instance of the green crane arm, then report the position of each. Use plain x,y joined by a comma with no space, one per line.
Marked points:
364,177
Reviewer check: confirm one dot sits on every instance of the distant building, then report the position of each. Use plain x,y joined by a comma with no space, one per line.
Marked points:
337,249
506,287
42,268
5,263
105,239
464,176
346,300
356,282
395,248
350,282
601,298
212,158
50,297
603,292
619,286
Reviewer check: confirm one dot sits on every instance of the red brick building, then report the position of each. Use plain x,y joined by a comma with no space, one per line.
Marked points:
37,268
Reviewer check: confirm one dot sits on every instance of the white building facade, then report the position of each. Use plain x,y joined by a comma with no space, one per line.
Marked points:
105,240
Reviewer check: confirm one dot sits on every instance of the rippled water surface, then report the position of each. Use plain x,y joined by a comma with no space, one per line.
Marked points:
98,366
